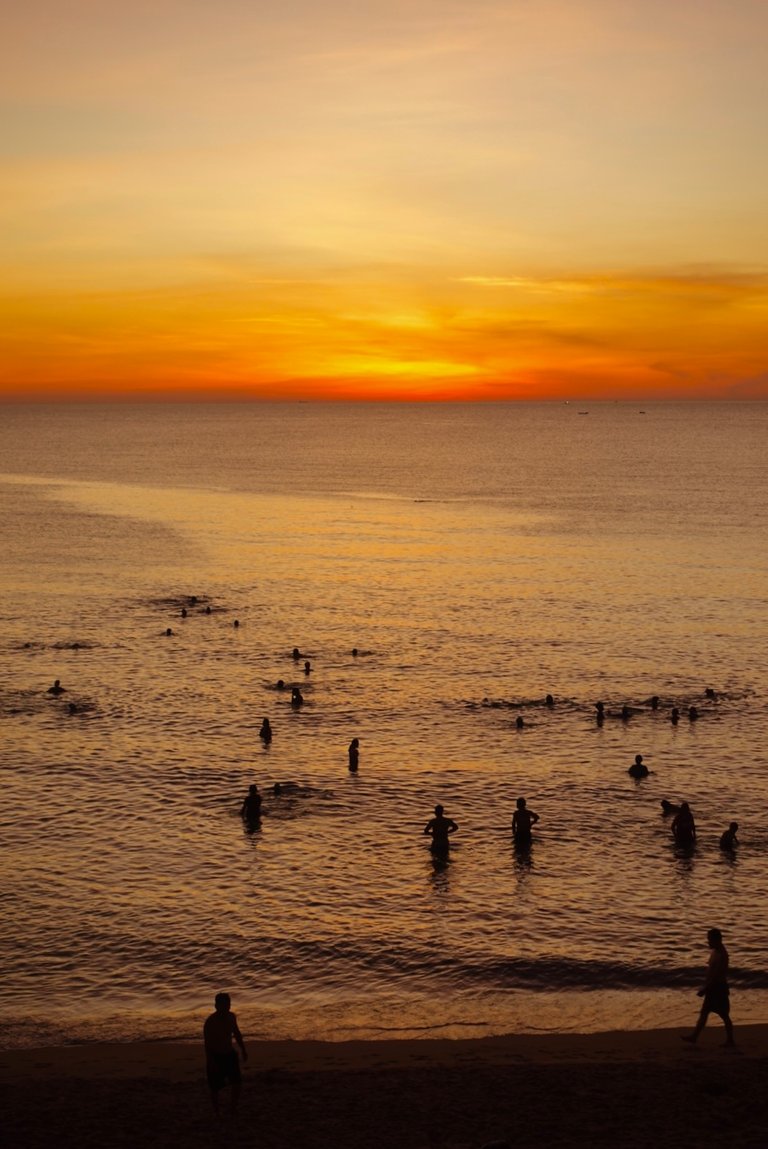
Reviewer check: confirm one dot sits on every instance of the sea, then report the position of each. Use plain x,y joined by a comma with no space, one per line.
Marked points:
441,568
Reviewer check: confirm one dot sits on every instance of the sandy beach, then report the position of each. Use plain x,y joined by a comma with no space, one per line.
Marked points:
621,1089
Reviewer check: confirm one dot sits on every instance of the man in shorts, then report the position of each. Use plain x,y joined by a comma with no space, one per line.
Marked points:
221,1061
715,991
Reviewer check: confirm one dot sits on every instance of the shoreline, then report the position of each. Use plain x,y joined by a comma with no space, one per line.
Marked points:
622,1088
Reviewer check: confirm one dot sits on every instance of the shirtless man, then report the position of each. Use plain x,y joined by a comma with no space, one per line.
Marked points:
221,1060
523,821
715,991
440,828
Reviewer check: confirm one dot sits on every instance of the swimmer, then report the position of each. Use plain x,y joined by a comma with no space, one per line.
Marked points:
296,654
523,821
684,827
280,684
354,652
519,723
693,714
168,632
600,716
655,702
236,623
183,612
354,755
625,713
251,807
674,717
440,828
709,693
193,600
265,734
549,701
728,839
207,610
71,708
669,807
277,789
638,769
297,697
57,688
307,668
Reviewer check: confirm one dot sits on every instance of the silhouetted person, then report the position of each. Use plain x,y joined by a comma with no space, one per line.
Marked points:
295,654
354,652
265,734
523,821
280,684
549,701
728,839
207,610
669,807
277,789
625,713
193,600
354,754
251,807
709,692
674,717
297,697
307,667
638,769
655,702
236,623
684,827
693,714
600,715
57,688
168,632
183,612
715,992
71,708
221,1061
519,723
440,828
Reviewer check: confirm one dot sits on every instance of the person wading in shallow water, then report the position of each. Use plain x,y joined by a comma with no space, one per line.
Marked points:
221,1060
440,828
715,991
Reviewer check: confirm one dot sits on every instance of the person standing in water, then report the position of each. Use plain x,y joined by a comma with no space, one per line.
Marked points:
251,807
440,828
684,827
354,755
523,821
221,1061
715,992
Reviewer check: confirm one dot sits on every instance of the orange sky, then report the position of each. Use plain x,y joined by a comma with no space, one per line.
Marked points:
412,200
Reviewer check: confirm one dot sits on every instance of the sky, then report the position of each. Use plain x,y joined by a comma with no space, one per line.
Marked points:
431,199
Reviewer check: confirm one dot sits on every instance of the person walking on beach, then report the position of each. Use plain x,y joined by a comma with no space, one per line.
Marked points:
221,1060
440,828
523,821
715,991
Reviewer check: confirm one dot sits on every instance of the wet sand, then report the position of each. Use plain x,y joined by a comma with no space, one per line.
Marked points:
614,1089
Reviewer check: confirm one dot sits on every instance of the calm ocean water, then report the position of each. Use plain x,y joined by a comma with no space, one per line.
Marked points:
478,557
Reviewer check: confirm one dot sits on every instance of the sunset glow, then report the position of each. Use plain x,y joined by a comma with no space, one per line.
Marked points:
433,199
